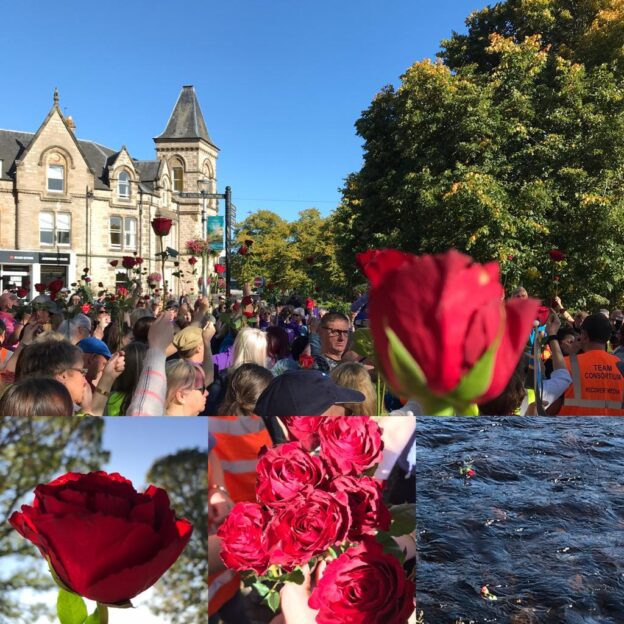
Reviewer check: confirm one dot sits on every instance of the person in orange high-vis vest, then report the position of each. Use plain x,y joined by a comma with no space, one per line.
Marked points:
239,440
597,384
223,585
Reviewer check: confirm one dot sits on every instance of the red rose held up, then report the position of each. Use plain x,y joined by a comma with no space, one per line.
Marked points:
441,328
104,540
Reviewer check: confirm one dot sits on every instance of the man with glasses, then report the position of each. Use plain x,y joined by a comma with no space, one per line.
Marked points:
333,333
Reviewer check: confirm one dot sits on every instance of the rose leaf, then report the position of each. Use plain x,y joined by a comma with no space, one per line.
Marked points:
273,600
403,519
70,608
262,589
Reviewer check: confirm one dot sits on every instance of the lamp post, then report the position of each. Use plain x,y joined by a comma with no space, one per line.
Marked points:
204,188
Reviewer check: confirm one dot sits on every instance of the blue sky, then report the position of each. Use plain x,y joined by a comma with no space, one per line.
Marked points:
135,443
280,82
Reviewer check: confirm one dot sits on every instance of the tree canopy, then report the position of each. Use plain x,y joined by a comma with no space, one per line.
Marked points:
34,451
298,256
508,147
182,593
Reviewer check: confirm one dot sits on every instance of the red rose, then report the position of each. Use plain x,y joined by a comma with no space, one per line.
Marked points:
128,262
86,308
435,317
40,288
114,263
219,268
122,291
556,255
368,511
304,429
247,300
352,444
161,226
284,471
55,285
249,313
104,540
192,260
243,250
543,312
364,586
307,527
306,361
138,260
242,544
22,292
87,279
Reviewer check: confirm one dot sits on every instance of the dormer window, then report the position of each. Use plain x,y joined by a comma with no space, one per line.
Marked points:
123,185
56,178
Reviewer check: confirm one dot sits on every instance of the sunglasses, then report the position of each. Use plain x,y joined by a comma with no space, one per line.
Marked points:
337,332
82,371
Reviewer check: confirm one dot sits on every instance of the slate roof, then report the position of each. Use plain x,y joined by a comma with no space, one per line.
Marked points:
186,121
13,144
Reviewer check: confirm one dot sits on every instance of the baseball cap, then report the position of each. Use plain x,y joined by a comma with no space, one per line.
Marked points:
303,392
94,345
188,338
172,305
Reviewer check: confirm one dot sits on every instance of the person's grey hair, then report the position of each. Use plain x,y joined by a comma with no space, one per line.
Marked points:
138,313
70,327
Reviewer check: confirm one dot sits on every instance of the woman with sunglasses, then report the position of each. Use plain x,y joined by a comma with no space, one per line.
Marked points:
186,389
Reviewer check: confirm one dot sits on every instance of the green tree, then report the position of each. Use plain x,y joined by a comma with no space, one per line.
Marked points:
299,256
513,148
34,451
182,593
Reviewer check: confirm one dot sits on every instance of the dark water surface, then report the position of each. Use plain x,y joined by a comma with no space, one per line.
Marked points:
541,522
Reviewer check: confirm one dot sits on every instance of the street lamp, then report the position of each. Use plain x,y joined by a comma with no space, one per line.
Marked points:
203,185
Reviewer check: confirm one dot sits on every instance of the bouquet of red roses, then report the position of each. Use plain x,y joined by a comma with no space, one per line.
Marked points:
323,504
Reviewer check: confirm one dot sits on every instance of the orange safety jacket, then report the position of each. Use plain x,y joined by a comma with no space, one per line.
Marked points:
597,385
223,585
239,440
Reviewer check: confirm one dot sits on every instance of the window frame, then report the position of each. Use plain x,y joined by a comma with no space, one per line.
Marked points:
55,229
127,231
175,184
127,183
119,232
49,167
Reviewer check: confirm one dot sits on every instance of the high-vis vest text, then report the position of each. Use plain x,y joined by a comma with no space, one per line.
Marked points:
597,386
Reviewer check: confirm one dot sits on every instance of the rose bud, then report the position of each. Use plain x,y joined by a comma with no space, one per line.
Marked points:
161,226
368,511
40,288
114,263
366,585
242,543
441,328
103,539
556,255
243,249
86,308
192,260
219,268
128,262
307,527
284,471
351,444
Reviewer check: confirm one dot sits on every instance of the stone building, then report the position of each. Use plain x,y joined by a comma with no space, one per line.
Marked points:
67,203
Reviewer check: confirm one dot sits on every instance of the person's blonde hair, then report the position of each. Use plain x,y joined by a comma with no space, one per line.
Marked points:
355,376
250,347
182,375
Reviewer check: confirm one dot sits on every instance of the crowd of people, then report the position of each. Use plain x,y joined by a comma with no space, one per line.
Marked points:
214,358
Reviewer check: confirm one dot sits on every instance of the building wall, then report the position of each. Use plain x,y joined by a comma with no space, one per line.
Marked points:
21,203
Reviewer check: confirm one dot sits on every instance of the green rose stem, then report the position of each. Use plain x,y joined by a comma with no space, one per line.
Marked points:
163,258
103,612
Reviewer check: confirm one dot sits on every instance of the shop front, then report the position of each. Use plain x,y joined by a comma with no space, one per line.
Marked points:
24,269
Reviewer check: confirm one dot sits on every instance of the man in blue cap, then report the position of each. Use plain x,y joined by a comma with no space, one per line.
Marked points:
96,354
